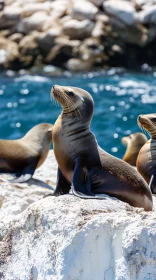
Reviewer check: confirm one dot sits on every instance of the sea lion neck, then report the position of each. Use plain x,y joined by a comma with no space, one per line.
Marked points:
73,122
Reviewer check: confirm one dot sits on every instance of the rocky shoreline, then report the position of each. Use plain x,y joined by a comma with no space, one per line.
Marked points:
77,35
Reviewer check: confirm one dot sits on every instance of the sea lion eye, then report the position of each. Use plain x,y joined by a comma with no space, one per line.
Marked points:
70,93
153,119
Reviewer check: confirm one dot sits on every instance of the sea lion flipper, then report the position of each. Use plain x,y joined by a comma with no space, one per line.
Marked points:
62,185
27,173
152,184
21,179
79,184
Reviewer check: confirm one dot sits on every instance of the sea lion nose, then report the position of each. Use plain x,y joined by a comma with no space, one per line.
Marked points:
139,118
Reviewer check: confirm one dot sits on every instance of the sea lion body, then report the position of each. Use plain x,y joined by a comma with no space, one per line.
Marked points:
83,164
146,161
23,156
134,143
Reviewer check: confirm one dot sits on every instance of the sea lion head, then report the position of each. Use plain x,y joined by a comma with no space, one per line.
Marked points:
74,100
137,139
134,143
40,134
148,122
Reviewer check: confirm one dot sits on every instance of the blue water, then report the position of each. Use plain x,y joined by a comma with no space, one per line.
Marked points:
119,98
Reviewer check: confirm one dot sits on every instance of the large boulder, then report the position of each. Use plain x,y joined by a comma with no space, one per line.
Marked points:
34,22
147,16
59,8
76,29
46,39
28,46
59,54
31,8
9,17
12,13
84,10
120,9
97,2
71,238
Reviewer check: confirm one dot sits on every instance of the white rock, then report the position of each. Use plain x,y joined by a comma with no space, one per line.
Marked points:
84,10
34,22
102,17
59,8
147,16
46,39
98,29
31,8
97,2
144,2
122,10
12,13
78,29
62,238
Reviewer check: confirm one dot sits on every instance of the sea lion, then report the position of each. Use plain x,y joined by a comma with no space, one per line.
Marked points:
146,161
133,142
23,156
82,163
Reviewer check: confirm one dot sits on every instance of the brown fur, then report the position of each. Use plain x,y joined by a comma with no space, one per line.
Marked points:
15,155
133,143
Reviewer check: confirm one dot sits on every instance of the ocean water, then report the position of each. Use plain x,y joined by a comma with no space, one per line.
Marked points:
119,97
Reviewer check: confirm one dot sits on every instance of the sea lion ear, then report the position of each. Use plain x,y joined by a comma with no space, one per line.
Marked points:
82,99
50,130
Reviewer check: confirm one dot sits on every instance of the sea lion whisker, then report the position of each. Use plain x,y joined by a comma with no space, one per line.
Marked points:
78,114
65,99
69,101
53,100
142,128
73,106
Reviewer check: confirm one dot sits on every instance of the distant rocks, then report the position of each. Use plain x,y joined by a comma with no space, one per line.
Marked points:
79,13
9,52
55,32
76,29
122,10
147,16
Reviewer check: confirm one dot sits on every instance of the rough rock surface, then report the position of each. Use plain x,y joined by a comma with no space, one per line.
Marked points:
68,238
